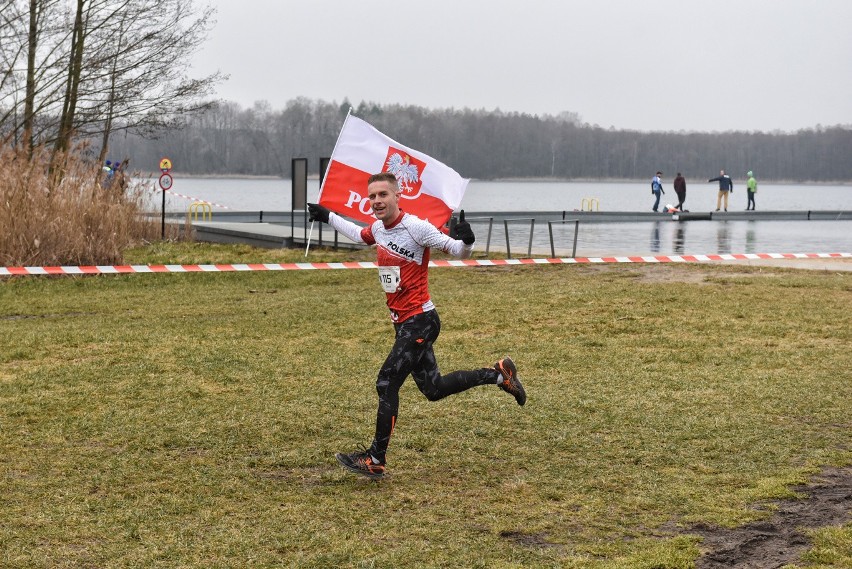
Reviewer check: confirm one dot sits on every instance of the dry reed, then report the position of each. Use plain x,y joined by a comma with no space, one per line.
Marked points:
59,213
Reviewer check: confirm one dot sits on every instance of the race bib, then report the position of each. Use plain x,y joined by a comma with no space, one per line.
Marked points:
390,279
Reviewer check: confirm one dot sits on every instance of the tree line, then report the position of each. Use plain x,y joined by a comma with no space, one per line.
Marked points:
107,78
227,139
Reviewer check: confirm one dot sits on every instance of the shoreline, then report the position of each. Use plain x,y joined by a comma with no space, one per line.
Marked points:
532,180
643,181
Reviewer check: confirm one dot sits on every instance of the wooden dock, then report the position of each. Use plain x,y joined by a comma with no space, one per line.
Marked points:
286,229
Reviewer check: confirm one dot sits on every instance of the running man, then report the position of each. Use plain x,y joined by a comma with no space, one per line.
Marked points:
403,243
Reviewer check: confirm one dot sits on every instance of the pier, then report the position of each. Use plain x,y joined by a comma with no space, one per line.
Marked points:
277,229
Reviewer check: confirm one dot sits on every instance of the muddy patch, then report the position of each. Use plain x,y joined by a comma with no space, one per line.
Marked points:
44,316
671,274
781,539
529,539
697,274
690,273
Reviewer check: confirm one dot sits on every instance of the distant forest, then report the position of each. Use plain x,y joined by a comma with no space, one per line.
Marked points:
261,141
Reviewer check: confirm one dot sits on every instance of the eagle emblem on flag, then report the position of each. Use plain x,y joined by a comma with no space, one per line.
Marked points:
407,170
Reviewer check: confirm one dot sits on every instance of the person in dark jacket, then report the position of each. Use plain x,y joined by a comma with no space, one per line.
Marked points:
726,186
680,190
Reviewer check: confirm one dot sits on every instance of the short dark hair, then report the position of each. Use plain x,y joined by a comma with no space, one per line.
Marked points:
659,173
382,177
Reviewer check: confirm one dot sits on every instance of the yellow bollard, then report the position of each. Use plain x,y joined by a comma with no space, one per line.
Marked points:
205,209
590,202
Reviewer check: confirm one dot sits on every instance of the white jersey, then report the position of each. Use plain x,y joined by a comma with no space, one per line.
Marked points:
403,258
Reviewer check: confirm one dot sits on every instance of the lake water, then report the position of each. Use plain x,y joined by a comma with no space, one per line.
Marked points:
663,237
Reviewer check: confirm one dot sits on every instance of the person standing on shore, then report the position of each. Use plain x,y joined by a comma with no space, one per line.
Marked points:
680,190
725,186
403,243
751,185
657,189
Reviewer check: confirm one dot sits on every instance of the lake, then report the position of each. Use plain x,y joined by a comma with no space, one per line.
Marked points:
663,237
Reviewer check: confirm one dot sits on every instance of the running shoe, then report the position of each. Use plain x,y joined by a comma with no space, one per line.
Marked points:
511,382
360,462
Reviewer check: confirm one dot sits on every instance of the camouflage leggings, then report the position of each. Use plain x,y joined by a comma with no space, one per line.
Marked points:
412,354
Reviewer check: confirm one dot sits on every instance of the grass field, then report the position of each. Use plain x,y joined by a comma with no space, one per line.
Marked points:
191,420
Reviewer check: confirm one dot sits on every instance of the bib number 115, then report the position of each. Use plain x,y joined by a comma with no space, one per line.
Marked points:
389,278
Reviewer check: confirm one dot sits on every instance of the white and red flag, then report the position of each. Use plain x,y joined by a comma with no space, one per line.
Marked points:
429,189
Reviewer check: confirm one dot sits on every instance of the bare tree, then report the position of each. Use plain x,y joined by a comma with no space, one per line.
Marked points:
31,34
29,96
135,73
73,78
102,66
12,46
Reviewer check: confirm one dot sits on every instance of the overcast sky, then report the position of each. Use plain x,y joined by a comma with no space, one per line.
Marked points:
711,65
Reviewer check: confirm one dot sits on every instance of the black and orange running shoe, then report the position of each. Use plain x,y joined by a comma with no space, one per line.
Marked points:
360,462
511,382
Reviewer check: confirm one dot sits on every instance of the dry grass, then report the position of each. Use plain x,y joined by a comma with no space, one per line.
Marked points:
61,215
191,420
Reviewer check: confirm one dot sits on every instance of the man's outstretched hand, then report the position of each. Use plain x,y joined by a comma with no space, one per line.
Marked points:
462,230
317,213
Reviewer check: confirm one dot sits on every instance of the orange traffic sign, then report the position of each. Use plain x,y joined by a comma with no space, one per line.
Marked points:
165,164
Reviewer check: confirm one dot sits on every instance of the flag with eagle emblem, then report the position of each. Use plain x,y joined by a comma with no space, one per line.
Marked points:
428,189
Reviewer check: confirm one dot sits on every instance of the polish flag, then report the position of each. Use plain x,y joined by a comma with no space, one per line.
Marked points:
428,189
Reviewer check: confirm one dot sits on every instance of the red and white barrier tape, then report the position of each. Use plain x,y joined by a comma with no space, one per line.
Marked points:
200,200
123,269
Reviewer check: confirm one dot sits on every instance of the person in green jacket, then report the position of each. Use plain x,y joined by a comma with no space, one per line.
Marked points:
751,185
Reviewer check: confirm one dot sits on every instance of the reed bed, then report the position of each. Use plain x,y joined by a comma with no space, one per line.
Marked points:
57,211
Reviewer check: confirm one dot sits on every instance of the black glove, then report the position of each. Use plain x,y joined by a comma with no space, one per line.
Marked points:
317,213
462,230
